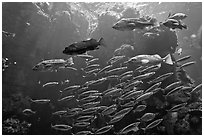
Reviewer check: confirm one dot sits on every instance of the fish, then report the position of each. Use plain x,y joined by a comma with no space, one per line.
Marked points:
104,129
179,51
144,76
130,127
177,16
172,86
53,64
133,84
86,56
89,110
61,127
139,108
112,77
109,110
112,92
72,88
90,67
147,117
84,46
133,95
144,96
91,61
116,119
156,85
104,69
90,104
115,70
150,68
174,24
177,107
126,78
126,73
58,113
8,34
67,98
187,64
197,88
28,112
129,104
153,124
91,73
84,133
161,78
183,58
173,91
123,112
149,60
81,124
50,83
98,81
115,59
85,118
87,93
40,101
130,24
87,99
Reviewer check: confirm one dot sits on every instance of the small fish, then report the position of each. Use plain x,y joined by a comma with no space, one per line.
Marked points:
87,93
86,56
91,61
130,127
104,69
183,58
149,60
172,86
90,67
87,99
120,85
50,83
116,119
126,77
139,108
53,64
128,104
90,104
112,77
84,133
144,96
81,124
197,88
115,70
112,92
40,101
177,16
150,68
126,73
174,90
174,24
188,64
123,112
147,117
85,118
157,90
72,68
8,34
61,112
83,46
115,59
130,24
92,73
177,107
89,110
28,112
156,85
133,95
133,84
108,90
109,110
104,129
98,81
72,88
61,127
161,78
144,76
67,98
187,89
153,124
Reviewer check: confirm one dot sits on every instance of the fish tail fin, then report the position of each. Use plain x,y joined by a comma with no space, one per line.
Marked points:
102,42
168,59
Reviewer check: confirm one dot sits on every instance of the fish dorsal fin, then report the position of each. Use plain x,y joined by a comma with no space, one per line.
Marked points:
156,55
144,61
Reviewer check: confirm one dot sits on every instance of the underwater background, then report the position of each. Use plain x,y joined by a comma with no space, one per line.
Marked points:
32,32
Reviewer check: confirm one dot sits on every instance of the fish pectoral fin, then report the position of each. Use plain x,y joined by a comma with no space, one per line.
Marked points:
144,61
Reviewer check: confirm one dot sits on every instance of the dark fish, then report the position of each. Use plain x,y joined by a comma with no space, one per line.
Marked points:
147,117
153,87
149,60
67,98
83,46
160,78
188,64
130,127
177,107
144,96
28,112
84,133
61,127
153,124
183,58
139,108
109,110
104,129
53,64
197,88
